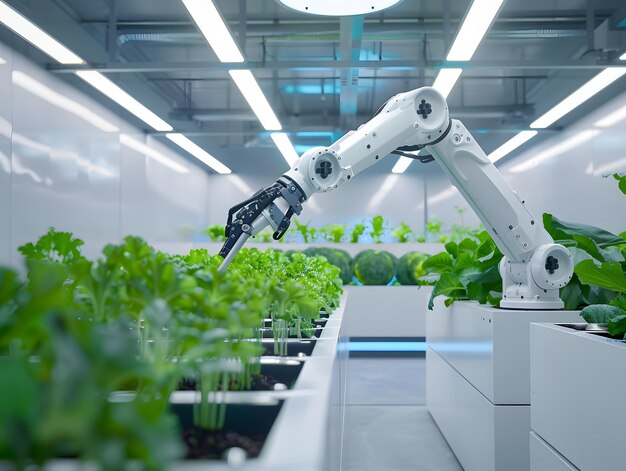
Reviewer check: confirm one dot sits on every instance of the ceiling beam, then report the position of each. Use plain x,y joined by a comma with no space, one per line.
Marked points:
142,67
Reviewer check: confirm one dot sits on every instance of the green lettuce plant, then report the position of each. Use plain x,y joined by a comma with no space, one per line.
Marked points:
403,233
216,232
467,270
377,228
357,232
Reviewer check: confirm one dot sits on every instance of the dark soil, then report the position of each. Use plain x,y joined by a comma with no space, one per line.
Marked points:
259,383
204,444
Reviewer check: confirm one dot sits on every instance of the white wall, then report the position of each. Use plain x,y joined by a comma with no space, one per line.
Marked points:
394,196
58,168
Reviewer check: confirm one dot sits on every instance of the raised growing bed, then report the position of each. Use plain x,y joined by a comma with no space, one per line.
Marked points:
306,433
387,311
577,379
478,381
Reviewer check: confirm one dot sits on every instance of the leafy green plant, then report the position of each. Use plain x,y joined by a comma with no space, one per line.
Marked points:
467,270
621,178
304,230
117,323
357,232
334,232
377,228
216,232
403,233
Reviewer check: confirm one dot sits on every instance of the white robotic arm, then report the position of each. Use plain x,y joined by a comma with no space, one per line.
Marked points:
533,268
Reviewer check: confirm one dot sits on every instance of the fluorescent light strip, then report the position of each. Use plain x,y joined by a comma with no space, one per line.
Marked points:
285,147
36,36
558,149
253,94
148,151
445,81
473,29
612,118
198,153
214,29
401,165
512,144
2,61
55,98
115,93
589,89
623,57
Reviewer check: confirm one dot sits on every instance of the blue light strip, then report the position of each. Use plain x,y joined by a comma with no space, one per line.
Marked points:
387,346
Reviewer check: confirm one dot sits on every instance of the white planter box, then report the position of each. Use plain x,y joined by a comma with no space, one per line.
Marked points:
578,380
482,436
481,375
489,347
386,311
545,458
307,434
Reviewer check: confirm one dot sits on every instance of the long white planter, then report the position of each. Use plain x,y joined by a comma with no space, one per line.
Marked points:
578,381
480,355
307,434
386,311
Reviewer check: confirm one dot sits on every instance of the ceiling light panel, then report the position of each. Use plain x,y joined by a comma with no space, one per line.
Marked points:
475,25
401,165
214,29
339,8
253,94
285,147
199,153
512,144
445,81
36,36
115,93
589,89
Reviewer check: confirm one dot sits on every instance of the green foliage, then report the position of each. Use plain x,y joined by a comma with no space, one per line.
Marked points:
410,268
403,233
467,270
307,232
589,246
78,331
621,178
54,246
336,257
357,232
377,228
334,232
216,232
373,267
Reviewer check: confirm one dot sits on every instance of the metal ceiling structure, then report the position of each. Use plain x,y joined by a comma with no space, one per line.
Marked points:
325,75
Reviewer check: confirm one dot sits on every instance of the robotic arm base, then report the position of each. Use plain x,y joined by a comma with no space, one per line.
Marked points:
535,284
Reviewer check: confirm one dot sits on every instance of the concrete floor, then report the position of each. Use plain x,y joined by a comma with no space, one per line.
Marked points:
387,425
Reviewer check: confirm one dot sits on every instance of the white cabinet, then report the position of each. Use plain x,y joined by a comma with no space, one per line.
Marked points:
578,380
478,386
